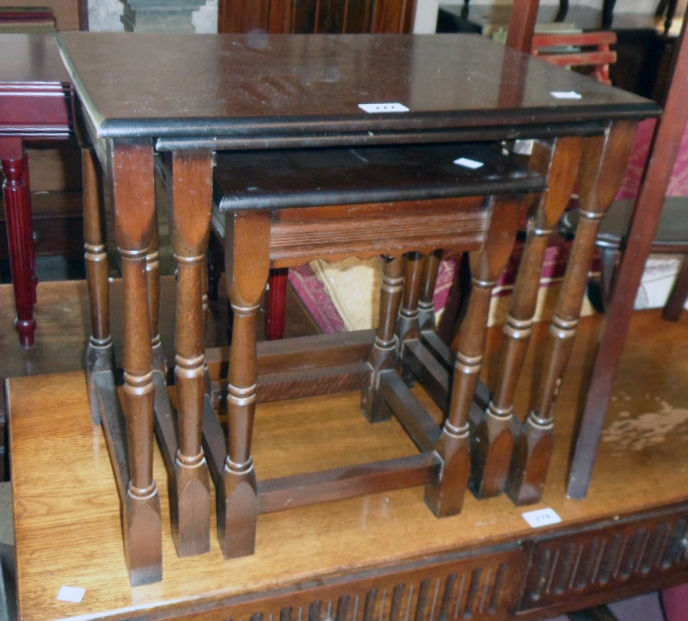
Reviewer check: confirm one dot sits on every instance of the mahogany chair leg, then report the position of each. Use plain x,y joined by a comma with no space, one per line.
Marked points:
445,496
602,169
426,304
99,352
190,231
247,257
677,298
134,196
34,274
17,197
493,446
276,303
383,352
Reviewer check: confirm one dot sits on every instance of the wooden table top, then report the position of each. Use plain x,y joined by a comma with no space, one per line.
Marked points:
67,508
260,85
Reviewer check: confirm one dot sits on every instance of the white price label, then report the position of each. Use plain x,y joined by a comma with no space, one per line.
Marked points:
542,517
566,95
468,163
381,108
71,594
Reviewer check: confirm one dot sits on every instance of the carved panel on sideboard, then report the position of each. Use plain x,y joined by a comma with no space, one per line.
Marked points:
457,587
602,559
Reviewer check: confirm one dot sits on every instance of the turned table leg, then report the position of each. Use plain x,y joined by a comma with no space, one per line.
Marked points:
153,285
17,197
559,161
426,303
601,173
99,352
134,207
247,256
445,496
383,352
407,326
190,230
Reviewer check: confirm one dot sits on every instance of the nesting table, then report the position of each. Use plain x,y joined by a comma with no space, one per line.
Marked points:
197,95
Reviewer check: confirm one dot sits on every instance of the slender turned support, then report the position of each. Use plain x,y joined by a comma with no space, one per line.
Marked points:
559,161
153,283
445,496
426,304
191,206
17,197
407,323
601,173
247,256
383,353
99,352
134,206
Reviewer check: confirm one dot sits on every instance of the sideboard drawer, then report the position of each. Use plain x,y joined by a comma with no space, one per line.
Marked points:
604,558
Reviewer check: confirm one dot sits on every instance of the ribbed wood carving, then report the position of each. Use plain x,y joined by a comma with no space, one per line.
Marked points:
485,588
591,562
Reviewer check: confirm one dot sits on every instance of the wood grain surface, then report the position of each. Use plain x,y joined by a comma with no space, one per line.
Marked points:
67,510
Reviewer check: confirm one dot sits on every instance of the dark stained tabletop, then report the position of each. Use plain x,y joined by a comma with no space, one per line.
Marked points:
30,58
284,178
163,85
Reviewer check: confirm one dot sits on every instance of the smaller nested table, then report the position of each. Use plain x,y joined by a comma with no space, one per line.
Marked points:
35,104
284,208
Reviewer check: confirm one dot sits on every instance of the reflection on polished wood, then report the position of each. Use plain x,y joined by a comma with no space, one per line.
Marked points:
341,554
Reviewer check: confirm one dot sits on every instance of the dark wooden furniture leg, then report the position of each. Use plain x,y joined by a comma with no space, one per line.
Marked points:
426,304
153,286
408,326
607,14
455,307
99,352
383,353
17,197
190,229
677,298
522,24
134,206
445,496
247,256
647,213
559,161
601,173
276,303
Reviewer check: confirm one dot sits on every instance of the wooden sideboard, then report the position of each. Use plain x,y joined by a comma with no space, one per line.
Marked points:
381,557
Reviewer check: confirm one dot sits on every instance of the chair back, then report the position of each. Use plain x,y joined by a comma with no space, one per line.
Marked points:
589,52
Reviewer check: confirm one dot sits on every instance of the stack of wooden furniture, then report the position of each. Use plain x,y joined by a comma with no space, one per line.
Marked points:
277,218
327,146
